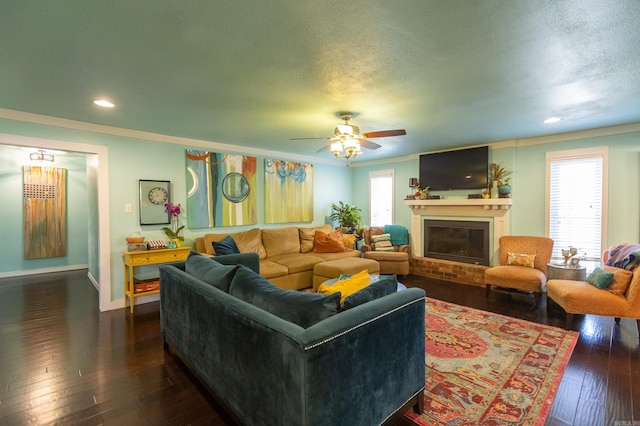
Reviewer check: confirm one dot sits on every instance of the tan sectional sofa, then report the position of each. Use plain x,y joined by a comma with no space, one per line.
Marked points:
286,254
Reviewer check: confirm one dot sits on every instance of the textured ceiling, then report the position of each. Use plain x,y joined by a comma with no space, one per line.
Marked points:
451,72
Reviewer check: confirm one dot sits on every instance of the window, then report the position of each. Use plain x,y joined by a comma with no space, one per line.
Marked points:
577,201
381,197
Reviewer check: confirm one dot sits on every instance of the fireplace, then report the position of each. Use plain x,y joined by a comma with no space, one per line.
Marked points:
457,240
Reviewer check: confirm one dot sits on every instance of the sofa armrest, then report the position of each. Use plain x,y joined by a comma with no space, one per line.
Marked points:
404,248
200,245
367,247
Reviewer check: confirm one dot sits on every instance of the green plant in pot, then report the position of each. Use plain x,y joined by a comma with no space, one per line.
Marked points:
505,188
348,217
499,175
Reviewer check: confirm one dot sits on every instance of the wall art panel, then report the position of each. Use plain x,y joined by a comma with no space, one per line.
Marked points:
288,188
45,212
221,189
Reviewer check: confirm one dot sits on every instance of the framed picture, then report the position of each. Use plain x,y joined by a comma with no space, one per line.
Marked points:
153,196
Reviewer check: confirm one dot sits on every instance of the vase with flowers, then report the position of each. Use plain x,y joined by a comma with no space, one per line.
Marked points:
174,232
422,192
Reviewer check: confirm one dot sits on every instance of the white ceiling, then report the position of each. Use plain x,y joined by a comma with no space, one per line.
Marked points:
451,72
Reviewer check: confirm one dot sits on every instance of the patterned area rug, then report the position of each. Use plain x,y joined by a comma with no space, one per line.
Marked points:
488,369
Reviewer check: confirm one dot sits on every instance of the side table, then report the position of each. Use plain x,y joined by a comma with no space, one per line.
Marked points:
135,258
560,271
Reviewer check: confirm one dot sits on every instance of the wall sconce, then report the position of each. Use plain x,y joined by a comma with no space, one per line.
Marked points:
413,183
41,156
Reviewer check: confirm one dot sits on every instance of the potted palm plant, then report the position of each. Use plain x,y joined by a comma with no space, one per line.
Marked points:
499,180
348,217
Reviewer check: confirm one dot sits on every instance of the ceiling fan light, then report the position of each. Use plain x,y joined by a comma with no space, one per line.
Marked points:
352,144
345,129
336,148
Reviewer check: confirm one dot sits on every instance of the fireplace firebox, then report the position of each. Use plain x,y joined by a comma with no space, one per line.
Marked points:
457,240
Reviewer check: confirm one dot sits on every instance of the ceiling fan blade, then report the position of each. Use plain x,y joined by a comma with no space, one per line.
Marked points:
384,133
324,148
303,139
368,144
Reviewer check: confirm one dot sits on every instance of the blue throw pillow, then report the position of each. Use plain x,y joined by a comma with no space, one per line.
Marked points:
371,292
225,246
210,271
600,278
304,309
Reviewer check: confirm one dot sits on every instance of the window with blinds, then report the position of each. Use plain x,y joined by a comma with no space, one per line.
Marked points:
381,197
576,199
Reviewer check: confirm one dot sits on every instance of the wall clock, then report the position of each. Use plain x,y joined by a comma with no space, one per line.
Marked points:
153,196
158,195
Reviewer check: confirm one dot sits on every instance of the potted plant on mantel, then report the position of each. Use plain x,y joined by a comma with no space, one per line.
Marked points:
499,181
348,217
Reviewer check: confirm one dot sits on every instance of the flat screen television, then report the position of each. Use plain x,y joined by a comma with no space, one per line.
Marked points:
460,169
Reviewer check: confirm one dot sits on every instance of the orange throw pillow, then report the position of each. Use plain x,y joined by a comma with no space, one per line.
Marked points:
328,242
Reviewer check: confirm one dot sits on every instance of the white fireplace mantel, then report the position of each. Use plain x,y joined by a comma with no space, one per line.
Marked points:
496,209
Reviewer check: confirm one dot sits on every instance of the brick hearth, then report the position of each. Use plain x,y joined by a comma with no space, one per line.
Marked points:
463,273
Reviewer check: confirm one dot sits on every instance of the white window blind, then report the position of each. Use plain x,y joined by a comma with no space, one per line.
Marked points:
381,197
575,208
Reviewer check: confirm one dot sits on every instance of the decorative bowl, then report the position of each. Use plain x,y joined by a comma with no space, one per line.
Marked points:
135,240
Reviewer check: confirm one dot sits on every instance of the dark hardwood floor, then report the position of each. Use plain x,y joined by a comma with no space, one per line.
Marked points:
63,362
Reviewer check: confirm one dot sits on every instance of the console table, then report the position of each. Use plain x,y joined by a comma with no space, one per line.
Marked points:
135,258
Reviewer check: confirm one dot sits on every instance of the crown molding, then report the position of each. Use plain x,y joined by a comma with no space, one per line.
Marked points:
155,137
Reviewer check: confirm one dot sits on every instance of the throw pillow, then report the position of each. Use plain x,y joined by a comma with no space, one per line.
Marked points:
600,278
225,246
371,292
210,271
621,280
520,259
349,241
347,286
307,235
382,242
328,242
247,242
301,308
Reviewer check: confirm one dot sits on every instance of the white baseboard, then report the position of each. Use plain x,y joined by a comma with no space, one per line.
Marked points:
42,271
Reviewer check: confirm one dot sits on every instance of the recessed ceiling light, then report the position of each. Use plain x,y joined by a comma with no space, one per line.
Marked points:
103,103
552,120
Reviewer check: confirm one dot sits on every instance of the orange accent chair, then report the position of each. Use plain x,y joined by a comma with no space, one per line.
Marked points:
513,274
620,299
391,262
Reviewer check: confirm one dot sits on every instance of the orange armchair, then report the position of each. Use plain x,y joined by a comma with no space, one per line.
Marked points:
521,273
621,299
392,261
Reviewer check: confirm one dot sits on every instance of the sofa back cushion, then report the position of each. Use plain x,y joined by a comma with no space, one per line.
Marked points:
247,241
210,271
278,241
307,235
301,308
385,286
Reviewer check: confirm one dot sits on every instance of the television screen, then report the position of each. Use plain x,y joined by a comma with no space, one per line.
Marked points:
461,169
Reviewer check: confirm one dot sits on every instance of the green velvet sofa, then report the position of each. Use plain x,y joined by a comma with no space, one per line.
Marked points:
361,366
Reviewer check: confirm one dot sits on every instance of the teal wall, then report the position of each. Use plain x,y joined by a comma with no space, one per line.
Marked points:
624,185
130,159
528,162
12,259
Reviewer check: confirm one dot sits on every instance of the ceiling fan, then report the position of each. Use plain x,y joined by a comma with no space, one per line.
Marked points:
347,139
